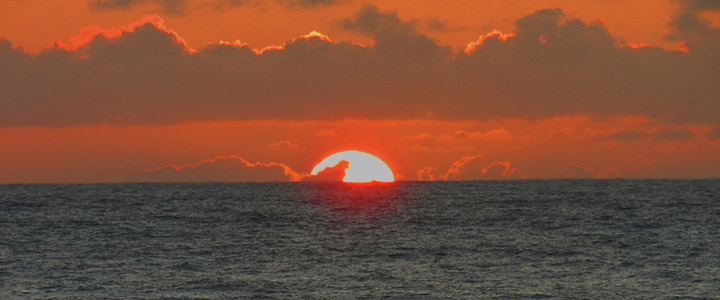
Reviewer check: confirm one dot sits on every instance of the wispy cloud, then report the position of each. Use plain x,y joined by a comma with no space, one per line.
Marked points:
284,145
471,168
672,134
621,136
714,134
184,7
231,168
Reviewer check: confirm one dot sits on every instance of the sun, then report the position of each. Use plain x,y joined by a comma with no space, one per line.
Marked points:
362,167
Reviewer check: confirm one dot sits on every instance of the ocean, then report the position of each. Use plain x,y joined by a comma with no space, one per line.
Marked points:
587,239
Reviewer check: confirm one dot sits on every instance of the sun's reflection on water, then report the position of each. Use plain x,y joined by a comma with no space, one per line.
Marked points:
356,202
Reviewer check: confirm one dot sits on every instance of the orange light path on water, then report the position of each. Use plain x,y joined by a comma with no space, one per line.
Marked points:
362,167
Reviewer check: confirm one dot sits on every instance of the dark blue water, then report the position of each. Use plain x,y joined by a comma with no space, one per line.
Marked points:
525,239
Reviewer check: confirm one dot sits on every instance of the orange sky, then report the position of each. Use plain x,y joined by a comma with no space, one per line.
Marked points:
553,148
564,97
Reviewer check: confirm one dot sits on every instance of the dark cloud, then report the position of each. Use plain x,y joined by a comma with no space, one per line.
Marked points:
125,4
672,134
166,6
621,136
560,66
552,66
370,20
714,134
435,24
702,5
688,22
460,134
227,4
308,3
697,33
397,41
182,7
560,133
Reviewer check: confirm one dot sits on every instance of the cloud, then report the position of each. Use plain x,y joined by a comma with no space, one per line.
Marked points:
471,168
396,40
495,36
695,33
428,174
171,7
468,136
714,134
551,65
326,133
150,30
576,171
183,7
308,3
174,7
559,133
672,134
370,20
219,169
460,134
635,167
284,146
233,168
435,24
688,24
330,174
621,136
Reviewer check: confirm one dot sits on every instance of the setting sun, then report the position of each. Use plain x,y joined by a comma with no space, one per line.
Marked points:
362,167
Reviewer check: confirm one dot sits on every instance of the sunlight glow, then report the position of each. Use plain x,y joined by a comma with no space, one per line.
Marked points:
311,35
494,33
362,167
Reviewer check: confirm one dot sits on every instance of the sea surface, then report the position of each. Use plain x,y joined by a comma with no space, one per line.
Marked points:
592,239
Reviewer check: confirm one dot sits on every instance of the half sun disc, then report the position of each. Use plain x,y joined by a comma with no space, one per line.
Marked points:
362,167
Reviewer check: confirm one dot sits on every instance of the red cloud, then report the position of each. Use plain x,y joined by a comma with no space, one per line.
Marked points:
471,168
284,146
233,168
89,33
313,35
666,134
331,174
620,136
221,168
428,174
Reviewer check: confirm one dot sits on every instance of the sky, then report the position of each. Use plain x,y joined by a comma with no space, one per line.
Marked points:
96,91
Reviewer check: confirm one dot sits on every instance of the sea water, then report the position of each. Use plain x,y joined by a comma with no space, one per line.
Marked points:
594,239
